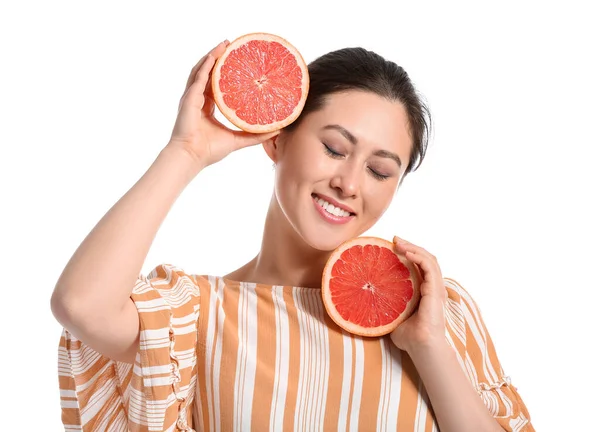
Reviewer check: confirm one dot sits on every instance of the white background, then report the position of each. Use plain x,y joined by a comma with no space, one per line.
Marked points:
507,197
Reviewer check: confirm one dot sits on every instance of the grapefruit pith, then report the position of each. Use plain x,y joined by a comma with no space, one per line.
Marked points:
368,289
260,83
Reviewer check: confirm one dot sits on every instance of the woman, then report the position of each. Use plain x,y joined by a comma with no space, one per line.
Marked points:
254,349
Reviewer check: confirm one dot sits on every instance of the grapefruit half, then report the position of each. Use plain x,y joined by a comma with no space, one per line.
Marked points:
260,83
368,289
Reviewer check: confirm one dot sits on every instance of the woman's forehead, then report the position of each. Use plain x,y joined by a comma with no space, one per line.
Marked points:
371,119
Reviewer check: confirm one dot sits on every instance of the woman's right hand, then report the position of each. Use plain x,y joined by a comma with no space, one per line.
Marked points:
196,130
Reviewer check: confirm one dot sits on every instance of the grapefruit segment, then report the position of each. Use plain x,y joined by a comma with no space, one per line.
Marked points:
260,83
367,288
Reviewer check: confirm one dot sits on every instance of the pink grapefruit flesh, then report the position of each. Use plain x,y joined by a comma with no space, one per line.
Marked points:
367,288
260,83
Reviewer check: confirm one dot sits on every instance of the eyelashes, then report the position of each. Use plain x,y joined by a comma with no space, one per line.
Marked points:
377,175
332,153
335,155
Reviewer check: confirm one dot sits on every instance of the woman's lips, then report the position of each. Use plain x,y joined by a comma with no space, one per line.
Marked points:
334,202
328,216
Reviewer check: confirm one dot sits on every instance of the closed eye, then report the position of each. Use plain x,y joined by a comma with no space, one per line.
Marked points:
377,175
332,153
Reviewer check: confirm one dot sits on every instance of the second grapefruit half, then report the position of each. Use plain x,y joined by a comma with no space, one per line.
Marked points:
367,288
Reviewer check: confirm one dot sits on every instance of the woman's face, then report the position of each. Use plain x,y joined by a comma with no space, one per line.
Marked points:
337,172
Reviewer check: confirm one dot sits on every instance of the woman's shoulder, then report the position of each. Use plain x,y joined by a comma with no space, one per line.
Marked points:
168,277
460,304
457,292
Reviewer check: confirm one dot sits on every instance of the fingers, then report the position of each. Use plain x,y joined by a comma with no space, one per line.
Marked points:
408,246
216,52
211,57
199,92
204,72
425,261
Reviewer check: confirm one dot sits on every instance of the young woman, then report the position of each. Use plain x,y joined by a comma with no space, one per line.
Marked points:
254,350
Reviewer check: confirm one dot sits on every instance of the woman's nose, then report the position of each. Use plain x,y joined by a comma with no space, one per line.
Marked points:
347,180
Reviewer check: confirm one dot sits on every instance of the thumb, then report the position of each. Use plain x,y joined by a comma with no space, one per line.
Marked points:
247,139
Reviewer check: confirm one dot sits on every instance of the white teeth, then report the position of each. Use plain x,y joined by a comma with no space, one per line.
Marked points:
336,211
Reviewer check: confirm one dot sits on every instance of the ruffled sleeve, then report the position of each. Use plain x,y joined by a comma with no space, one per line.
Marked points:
156,392
468,335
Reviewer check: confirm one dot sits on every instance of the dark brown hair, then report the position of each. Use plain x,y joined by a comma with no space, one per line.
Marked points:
360,69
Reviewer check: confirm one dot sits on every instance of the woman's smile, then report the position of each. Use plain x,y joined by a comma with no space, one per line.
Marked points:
332,211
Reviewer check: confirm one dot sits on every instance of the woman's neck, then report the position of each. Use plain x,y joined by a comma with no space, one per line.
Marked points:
284,257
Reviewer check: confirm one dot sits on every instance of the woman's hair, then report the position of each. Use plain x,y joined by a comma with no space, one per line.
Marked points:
359,69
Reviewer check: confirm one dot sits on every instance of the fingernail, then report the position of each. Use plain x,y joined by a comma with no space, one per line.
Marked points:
397,239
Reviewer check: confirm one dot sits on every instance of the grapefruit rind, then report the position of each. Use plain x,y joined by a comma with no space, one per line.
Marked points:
351,327
229,113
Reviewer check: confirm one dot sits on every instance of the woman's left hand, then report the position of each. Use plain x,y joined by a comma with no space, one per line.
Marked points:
426,327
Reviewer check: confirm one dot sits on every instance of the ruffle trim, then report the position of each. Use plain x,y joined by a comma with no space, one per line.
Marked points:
182,424
504,381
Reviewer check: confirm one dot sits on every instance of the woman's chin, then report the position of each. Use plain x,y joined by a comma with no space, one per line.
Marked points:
325,242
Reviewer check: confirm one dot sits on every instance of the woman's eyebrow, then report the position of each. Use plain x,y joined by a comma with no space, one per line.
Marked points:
350,137
390,155
345,132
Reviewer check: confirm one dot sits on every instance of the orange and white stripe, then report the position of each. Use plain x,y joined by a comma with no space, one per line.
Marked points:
230,356
314,361
282,360
391,382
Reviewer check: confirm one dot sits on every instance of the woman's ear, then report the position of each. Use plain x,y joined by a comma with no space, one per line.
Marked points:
271,147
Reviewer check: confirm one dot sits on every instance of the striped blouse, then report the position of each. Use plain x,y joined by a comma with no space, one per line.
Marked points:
218,355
